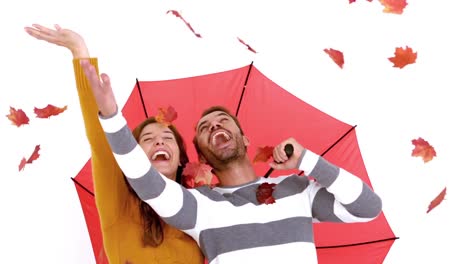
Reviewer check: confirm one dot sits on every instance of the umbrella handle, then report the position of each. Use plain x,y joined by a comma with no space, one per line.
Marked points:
289,149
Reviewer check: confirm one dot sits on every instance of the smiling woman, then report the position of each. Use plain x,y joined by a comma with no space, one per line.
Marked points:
131,230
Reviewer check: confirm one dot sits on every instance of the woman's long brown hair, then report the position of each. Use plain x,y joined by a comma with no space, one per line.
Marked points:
153,226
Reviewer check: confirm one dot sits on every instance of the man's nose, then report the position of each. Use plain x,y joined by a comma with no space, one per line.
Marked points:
215,125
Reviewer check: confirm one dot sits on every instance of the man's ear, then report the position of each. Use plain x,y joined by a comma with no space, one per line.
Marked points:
246,140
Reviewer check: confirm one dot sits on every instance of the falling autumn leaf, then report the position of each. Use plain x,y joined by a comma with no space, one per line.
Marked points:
48,111
247,45
166,115
394,6
336,55
263,154
34,156
177,14
434,203
197,174
265,193
403,57
423,149
18,117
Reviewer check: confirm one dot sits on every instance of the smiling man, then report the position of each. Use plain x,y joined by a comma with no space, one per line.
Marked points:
228,222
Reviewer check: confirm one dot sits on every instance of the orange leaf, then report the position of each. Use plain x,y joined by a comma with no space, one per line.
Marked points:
197,174
247,45
263,154
434,203
166,115
394,6
34,156
265,193
423,149
336,55
17,117
177,14
403,57
48,111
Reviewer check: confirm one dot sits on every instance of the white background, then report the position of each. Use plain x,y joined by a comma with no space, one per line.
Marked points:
42,221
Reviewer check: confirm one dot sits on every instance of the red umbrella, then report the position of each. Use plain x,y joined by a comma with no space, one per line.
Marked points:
268,114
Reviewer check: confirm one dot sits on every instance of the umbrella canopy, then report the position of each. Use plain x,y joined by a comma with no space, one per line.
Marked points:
268,115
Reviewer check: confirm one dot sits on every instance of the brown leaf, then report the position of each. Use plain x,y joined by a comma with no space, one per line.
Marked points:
48,111
434,203
403,57
17,117
265,193
336,56
247,45
34,156
197,174
263,154
166,115
423,149
394,6
177,14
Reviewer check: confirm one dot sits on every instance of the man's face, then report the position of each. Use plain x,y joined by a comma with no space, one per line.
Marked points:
219,139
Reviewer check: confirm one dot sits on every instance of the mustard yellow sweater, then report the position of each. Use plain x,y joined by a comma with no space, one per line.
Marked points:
118,211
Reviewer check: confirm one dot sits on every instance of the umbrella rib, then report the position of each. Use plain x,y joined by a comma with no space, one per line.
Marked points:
336,142
141,97
82,186
243,88
359,244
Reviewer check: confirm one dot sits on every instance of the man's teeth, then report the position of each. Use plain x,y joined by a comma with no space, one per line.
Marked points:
221,133
161,152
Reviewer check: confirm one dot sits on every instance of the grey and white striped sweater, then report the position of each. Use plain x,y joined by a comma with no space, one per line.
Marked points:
228,224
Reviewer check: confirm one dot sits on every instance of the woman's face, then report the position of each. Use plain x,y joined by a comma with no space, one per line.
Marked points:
160,146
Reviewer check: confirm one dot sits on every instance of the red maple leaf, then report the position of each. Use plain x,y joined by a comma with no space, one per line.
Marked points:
423,149
166,115
48,111
177,14
394,6
34,156
263,154
265,193
17,117
197,174
247,45
439,198
403,57
336,55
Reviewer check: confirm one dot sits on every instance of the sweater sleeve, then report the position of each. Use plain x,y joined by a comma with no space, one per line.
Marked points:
109,185
337,195
176,205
